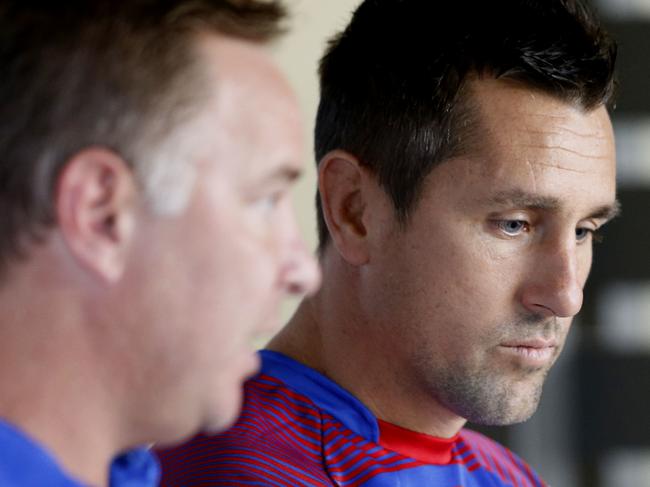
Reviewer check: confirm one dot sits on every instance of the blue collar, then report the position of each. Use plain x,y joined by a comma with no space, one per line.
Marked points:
325,393
25,463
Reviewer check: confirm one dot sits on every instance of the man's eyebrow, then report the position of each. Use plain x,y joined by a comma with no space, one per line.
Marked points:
521,199
607,212
282,174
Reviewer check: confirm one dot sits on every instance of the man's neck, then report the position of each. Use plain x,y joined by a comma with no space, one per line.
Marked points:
65,420
50,384
331,338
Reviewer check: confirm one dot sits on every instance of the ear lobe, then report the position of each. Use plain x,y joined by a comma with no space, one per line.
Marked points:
94,206
341,187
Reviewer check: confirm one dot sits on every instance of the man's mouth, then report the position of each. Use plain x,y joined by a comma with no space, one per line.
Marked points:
534,352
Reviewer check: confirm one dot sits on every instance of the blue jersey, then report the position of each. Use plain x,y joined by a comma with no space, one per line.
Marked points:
298,428
24,463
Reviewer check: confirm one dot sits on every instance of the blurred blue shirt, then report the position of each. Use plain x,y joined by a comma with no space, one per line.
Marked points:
24,463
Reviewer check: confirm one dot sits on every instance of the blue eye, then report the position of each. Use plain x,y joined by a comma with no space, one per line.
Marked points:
513,227
583,234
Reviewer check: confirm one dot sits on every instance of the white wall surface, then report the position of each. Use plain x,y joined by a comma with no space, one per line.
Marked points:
312,23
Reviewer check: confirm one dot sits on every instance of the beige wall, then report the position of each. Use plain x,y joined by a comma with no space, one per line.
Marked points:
298,53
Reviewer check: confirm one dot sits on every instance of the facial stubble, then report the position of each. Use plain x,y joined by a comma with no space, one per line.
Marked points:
491,390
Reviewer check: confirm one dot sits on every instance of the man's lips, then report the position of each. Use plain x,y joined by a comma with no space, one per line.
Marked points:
531,343
535,352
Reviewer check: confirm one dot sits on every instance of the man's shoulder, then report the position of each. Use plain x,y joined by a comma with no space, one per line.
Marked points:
497,459
26,463
277,439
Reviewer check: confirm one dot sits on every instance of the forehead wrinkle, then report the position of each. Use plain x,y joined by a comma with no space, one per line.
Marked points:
565,149
598,135
557,166
545,116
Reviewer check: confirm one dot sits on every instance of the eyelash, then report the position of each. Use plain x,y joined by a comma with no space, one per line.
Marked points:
596,236
501,225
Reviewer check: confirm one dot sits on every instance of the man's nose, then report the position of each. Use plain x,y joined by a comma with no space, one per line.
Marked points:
555,286
300,273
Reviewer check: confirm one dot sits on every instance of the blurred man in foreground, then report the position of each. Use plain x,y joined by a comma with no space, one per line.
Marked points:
147,149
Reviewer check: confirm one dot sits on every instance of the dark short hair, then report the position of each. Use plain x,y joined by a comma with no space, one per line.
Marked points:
121,74
394,82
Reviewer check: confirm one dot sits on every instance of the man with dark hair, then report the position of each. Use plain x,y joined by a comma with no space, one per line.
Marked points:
466,160
147,149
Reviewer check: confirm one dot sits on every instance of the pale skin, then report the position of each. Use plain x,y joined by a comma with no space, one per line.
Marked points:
461,314
127,327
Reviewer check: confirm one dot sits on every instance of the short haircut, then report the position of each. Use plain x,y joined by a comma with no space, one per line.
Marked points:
120,74
394,82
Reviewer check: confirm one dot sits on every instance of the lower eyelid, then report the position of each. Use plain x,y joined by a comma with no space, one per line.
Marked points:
497,225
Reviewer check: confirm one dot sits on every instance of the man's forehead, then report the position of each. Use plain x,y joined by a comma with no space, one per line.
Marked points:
504,101
524,130
253,114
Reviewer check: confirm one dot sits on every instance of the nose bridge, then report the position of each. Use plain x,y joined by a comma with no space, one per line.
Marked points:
567,264
557,288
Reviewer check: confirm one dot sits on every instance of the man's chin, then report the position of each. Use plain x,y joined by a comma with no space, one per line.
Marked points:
222,409
223,420
504,418
253,365
226,408
507,411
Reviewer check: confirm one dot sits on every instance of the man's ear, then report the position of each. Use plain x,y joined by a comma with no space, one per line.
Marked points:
94,205
342,184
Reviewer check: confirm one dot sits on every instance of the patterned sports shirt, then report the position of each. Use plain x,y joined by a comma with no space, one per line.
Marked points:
298,428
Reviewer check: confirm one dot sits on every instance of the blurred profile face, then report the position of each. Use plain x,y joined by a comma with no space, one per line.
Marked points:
474,298
216,272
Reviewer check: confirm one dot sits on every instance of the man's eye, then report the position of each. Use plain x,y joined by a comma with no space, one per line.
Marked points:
268,203
583,234
513,228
